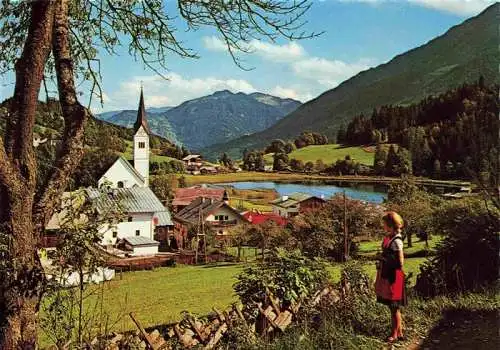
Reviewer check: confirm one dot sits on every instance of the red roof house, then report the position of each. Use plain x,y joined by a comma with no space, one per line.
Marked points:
185,196
257,217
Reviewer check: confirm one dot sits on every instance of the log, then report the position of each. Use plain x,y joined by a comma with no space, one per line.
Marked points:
238,312
143,332
267,315
274,303
218,335
219,315
284,320
196,329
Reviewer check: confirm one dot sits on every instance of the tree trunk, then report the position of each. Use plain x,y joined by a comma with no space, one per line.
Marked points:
21,282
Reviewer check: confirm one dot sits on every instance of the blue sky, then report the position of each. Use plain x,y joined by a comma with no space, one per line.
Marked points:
358,34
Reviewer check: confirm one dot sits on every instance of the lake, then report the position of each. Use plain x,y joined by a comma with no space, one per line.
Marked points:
365,192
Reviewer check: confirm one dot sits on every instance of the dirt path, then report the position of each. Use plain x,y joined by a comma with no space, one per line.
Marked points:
462,330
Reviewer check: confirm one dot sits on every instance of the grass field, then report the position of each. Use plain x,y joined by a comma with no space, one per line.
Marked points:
328,154
370,248
160,296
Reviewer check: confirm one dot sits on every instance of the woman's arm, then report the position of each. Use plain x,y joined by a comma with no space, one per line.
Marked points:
401,257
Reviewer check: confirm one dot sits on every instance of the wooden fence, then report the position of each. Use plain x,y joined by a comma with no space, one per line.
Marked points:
273,318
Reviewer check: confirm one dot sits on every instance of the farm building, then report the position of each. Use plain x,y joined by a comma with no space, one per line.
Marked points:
296,203
138,246
215,214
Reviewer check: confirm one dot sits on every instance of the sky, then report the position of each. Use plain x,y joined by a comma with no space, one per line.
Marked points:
358,34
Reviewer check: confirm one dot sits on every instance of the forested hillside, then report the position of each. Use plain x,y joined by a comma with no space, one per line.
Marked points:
462,54
448,136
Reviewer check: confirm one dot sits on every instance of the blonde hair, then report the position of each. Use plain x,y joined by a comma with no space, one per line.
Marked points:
393,220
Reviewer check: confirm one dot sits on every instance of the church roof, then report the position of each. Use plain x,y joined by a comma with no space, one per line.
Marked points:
141,116
164,218
131,200
128,166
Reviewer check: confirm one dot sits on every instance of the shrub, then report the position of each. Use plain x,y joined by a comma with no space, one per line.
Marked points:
467,258
288,275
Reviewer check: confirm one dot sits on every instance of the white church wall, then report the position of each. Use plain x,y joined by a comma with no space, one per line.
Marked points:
119,172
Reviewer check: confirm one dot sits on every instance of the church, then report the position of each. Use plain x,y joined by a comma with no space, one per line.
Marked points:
146,219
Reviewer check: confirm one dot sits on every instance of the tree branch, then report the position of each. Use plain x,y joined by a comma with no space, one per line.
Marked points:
75,116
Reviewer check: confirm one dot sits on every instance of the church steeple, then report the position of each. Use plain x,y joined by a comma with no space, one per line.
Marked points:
141,142
141,115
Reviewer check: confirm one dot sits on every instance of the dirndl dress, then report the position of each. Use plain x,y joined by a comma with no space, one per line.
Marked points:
390,280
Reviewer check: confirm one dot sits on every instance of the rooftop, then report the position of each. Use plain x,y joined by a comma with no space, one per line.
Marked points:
131,200
140,241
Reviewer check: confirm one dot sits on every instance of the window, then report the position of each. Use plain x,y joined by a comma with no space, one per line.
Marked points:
120,184
137,232
115,234
129,219
142,144
221,217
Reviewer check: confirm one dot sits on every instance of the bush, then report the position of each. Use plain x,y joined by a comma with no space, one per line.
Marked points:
467,258
287,275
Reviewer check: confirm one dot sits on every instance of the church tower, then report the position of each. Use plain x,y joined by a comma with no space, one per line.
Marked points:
141,142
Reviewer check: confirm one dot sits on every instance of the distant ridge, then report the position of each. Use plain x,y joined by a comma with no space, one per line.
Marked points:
211,119
462,54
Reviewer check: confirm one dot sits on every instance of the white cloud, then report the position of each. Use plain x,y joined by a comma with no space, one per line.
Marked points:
457,7
300,93
328,73
269,51
159,92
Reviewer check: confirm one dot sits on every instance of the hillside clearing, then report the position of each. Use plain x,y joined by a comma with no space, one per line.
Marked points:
329,154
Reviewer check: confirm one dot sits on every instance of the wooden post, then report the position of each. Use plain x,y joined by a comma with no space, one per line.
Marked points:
143,332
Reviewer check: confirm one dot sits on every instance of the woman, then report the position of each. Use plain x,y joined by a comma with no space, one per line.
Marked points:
389,285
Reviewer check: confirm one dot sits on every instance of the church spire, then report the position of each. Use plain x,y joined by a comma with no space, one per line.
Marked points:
141,116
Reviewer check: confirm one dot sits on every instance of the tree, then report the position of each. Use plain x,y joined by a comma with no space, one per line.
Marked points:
226,161
280,161
260,163
164,187
81,224
379,160
289,147
297,164
69,32
309,166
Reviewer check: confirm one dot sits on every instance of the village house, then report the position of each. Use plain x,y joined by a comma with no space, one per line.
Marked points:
193,162
256,217
216,215
296,203
184,196
127,187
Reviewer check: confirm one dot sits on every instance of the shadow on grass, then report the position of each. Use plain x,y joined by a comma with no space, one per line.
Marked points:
220,264
464,329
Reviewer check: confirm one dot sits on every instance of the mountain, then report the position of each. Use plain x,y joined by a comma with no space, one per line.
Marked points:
224,115
461,55
211,119
157,121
